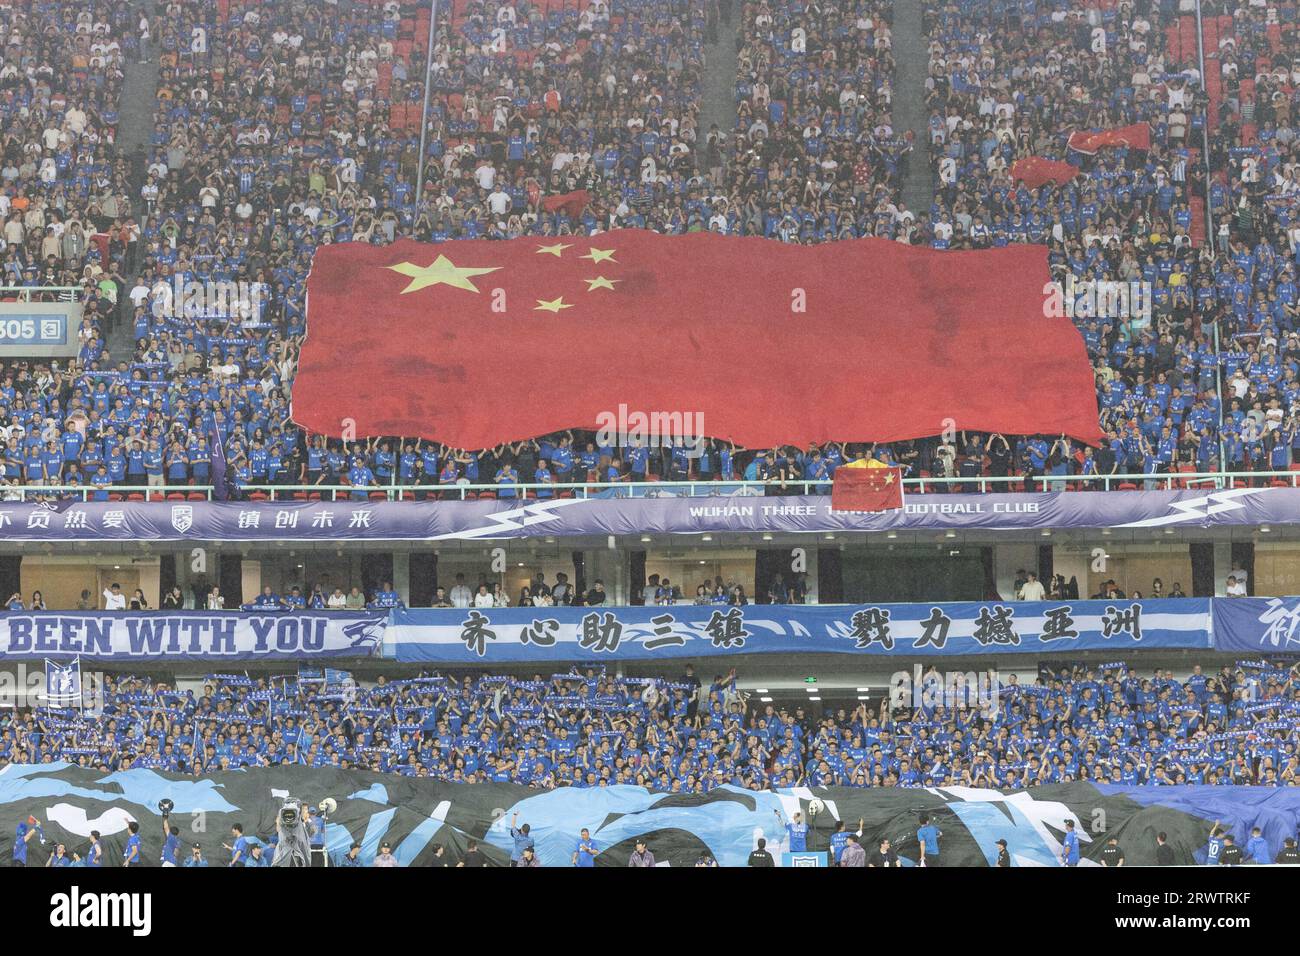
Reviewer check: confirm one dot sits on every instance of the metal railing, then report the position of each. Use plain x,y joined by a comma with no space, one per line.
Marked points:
1201,480
24,293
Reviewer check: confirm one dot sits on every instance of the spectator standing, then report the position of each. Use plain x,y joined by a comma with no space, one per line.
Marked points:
520,834
927,835
884,856
461,595
641,856
1257,847
854,853
473,855
1070,847
584,854
1032,589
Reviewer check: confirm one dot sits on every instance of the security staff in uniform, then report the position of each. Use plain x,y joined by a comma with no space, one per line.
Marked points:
1111,854
760,857
1164,852
1230,855
1004,858
1288,853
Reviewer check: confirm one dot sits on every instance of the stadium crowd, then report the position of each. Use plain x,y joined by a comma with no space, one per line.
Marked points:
280,127
588,728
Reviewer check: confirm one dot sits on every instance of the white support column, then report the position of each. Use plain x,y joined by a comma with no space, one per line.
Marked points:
402,575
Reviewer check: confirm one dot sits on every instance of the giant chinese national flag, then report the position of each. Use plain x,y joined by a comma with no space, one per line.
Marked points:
474,343
867,489
1137,136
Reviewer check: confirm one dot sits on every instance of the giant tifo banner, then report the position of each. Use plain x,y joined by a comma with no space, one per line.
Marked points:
189,635
412,814
476,635
879,341
496,520
1266,625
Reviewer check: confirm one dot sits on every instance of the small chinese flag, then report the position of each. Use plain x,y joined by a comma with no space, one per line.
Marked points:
571,204
867,489
1088,142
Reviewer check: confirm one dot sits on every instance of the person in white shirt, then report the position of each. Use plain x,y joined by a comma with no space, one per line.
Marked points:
1032,590
461,596
114,599
337,601
484,597
1235,588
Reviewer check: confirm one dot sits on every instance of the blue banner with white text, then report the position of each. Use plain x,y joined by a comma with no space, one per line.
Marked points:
475,635
1263,625
189,635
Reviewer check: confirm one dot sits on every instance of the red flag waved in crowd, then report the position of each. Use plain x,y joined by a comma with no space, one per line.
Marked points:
875,487
1035,171
571,204
1137,136
478,342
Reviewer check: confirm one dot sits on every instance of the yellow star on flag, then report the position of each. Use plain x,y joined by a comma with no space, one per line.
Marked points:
600,282
556,249
442,271
555,305
599,255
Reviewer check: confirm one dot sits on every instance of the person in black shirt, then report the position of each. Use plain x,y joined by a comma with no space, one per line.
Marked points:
1288,853
761,857
440,857
1004,858
883,856
1164,852
473,856
1111,854
693,696
1230,855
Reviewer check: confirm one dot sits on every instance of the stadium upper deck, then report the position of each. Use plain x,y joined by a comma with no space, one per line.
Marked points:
280,127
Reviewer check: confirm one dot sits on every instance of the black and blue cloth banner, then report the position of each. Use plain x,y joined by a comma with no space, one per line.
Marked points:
373,808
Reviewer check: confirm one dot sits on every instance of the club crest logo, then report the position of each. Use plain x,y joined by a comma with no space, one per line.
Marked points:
182,517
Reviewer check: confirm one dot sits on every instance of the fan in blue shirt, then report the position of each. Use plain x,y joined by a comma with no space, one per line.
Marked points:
1070,854
131,857
928,836
584,854
796,832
